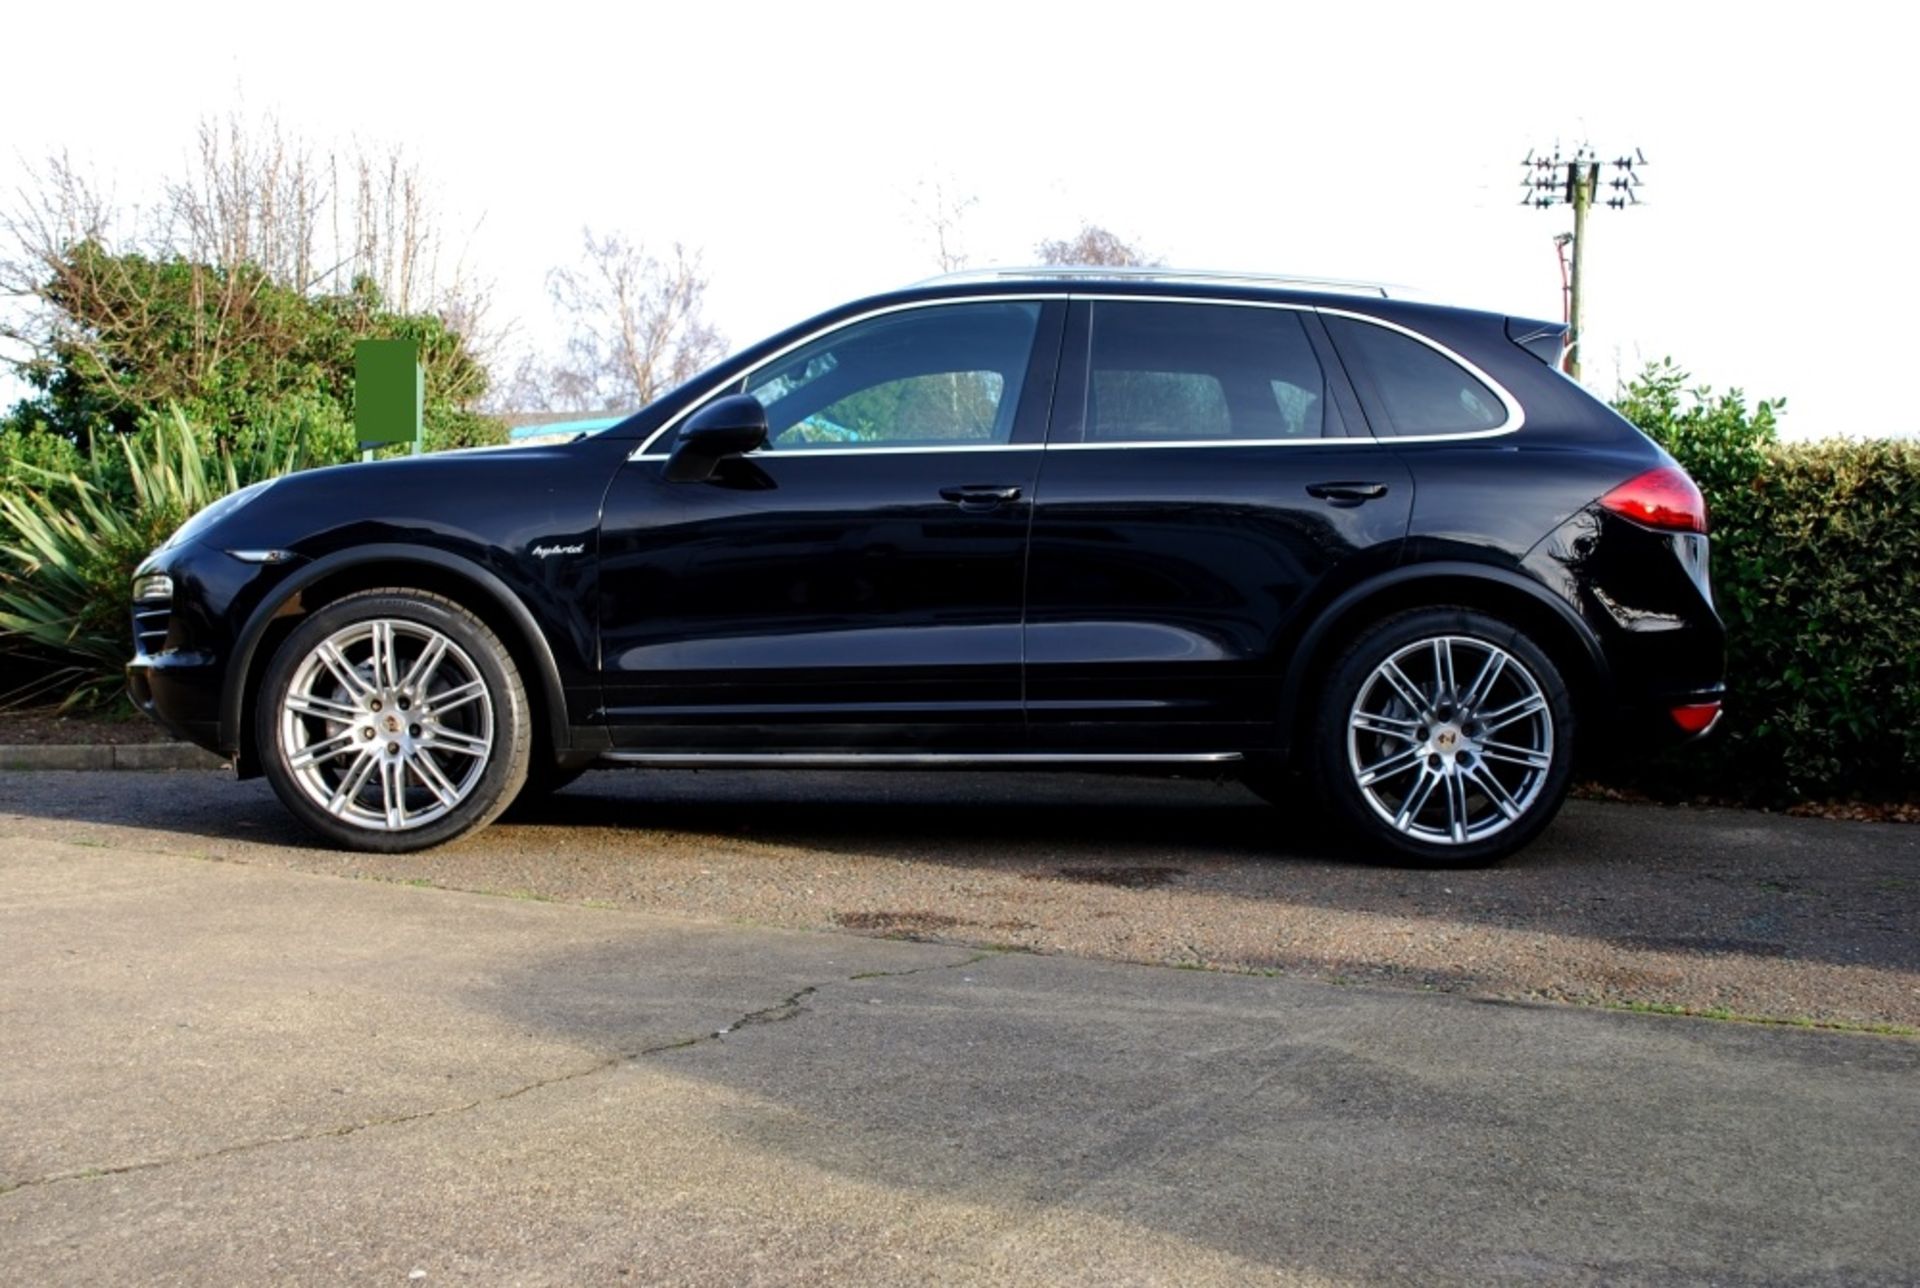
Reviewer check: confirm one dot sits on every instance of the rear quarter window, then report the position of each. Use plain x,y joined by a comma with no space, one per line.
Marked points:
1418,389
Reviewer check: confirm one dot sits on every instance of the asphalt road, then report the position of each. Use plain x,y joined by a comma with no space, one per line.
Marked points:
251,1070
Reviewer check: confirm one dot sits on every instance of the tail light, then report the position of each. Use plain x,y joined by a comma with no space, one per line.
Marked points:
1696,717
1661,498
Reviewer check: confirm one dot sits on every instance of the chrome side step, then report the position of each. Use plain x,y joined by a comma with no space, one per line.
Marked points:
880,759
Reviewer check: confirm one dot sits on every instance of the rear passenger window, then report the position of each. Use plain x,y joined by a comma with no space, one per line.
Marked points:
1422,391
1178,373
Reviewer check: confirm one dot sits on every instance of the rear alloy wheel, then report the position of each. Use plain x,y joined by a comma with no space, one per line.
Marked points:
392,721
1445,737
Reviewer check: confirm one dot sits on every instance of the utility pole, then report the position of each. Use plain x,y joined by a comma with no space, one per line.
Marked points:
1575,181
1581,181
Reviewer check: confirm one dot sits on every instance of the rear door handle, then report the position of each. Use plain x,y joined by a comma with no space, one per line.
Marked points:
1347,493
980,496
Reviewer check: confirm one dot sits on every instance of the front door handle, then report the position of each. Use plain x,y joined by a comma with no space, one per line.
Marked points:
1347,493
980,496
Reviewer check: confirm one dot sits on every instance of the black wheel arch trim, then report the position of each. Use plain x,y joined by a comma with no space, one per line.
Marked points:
1341,609
233,696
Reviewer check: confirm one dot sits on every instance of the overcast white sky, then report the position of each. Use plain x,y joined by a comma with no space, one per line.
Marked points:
1374,141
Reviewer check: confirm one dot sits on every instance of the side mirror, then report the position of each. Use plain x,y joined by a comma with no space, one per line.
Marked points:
732,426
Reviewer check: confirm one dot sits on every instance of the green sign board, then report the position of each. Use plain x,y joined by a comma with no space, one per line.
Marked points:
389,392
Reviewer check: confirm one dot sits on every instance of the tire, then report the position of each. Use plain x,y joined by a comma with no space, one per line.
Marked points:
1435,783
342,736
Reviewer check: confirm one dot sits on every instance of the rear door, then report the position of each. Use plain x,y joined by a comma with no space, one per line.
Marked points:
1207,483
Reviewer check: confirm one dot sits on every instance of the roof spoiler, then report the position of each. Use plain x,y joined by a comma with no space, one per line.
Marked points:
1544,340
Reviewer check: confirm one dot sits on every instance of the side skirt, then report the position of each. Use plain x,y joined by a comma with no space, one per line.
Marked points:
884,760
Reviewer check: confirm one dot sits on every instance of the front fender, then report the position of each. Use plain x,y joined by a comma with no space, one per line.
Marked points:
397,555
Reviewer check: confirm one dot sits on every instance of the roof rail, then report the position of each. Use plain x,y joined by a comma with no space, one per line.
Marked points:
1212,277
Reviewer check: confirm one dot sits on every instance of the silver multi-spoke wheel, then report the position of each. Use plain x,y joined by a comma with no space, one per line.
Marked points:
387,724
1450,740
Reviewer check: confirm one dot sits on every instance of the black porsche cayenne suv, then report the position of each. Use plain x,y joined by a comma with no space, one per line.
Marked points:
1059,519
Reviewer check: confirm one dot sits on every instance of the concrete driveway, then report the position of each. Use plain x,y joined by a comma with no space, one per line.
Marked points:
225,1071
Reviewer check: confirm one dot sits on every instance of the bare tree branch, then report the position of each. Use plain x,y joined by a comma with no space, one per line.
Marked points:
941,210
634,330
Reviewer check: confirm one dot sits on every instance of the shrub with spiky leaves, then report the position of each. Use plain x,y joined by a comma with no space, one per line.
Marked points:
69,543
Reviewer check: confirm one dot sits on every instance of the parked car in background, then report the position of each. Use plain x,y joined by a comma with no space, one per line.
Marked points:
1051,518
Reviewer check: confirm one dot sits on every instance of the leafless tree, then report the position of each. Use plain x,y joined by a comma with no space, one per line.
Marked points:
257,194
1094,245
59,206
635,328
941,210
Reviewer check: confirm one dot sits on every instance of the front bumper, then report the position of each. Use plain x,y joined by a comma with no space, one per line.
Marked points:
184,643
181,693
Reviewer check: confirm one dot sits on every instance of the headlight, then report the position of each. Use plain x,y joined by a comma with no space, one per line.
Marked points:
212,514
152,586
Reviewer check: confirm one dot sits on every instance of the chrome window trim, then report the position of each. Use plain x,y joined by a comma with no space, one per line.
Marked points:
808,453
1516,414
1323,441
1366,440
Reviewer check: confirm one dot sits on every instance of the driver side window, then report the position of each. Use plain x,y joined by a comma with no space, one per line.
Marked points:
942,374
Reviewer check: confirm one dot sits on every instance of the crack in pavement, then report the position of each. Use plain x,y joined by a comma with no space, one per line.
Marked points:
774,1014
787,1008
978,956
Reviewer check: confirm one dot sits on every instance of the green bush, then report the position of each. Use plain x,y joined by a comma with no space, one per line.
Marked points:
1720,442
69,542
26,457
123,337
1816,570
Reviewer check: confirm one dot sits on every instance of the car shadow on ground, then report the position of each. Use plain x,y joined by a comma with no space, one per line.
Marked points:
1644,879
1637,877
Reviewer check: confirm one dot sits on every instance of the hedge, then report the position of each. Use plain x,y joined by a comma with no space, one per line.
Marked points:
1816,570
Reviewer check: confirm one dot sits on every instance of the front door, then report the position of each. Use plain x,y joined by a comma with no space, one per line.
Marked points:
856,584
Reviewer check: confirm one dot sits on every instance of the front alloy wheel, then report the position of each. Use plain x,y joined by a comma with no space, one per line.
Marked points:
1444,736
387,724
393,721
